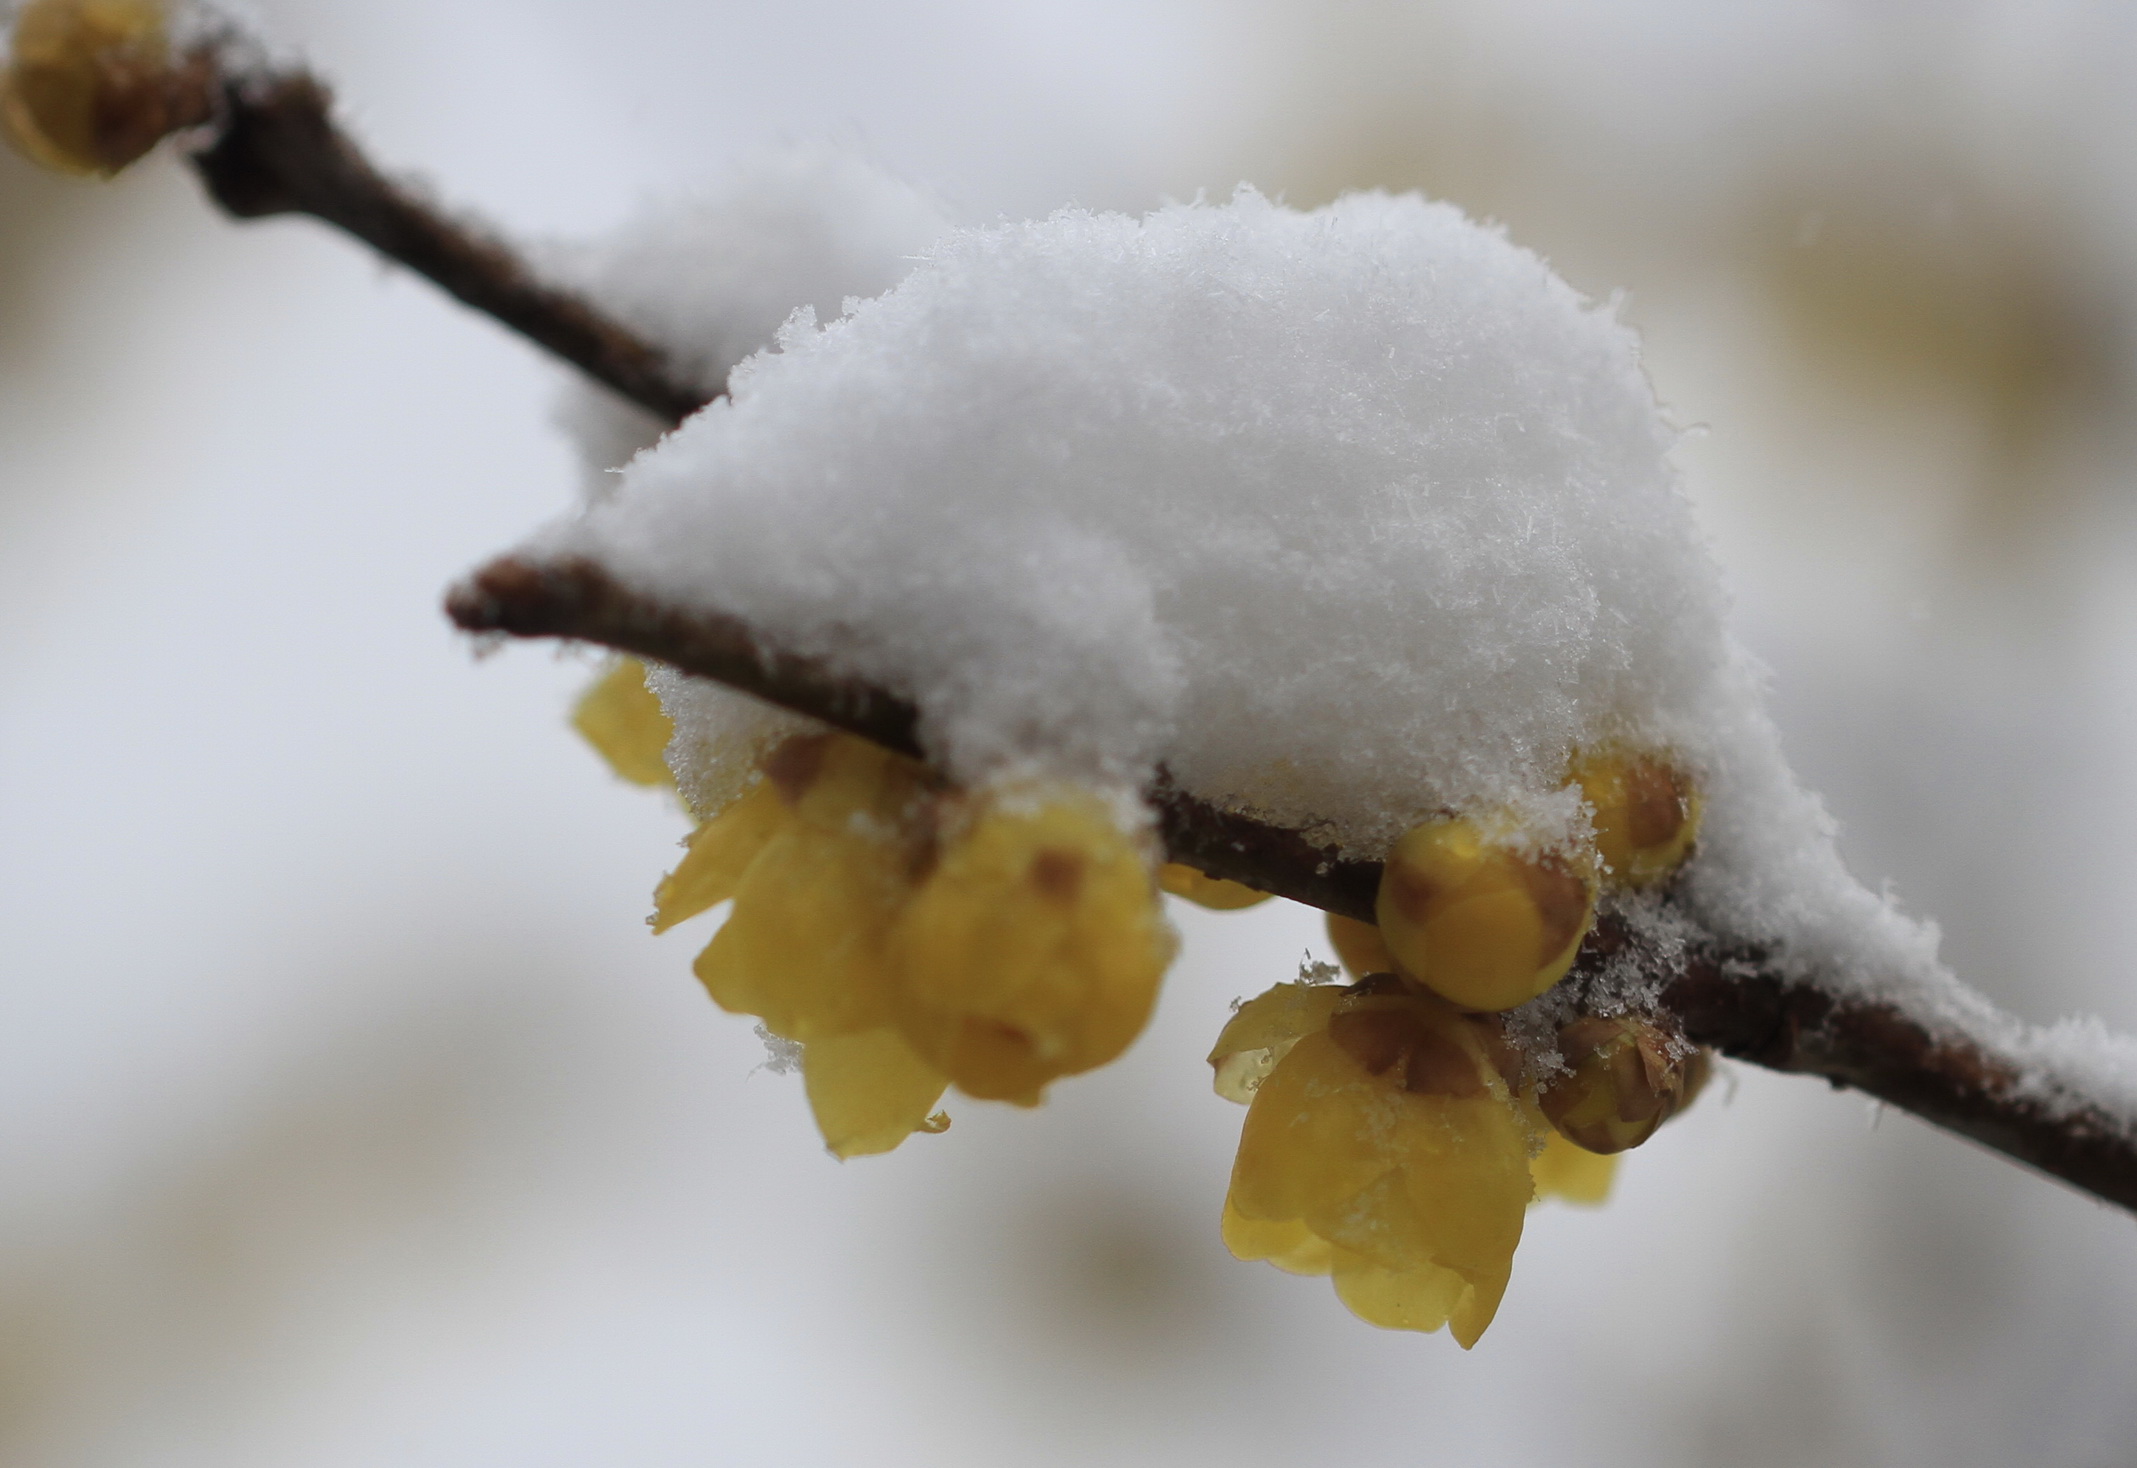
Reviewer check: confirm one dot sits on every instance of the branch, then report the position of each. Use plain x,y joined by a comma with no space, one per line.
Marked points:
273,148
1732,998
276,150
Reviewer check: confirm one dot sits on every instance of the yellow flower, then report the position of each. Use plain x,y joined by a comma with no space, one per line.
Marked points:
1034,948
1565,1170
906,937
1382,1146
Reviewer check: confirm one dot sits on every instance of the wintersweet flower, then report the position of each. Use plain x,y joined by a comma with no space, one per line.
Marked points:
907,936
1382,1146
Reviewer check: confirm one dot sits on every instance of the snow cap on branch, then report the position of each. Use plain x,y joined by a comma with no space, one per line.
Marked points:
1347,517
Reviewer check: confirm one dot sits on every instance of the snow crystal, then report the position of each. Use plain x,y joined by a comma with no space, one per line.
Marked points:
1345,517
709,278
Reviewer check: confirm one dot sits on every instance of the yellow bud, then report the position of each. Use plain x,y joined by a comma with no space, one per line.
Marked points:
1034,947
624,722
1206,891
1624,1078
1477,921
1360,946
91,85
1646,814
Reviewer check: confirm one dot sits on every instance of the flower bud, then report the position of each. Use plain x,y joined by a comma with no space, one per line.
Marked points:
1206,891
1624,1078
1646,814
1359,946
1477,921
91,85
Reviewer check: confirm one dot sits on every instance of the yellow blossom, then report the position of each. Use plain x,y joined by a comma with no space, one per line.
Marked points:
1034,947
1478,920
1646,813
805,947
1381,1147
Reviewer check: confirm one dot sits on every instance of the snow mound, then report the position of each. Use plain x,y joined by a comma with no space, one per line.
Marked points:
1344,517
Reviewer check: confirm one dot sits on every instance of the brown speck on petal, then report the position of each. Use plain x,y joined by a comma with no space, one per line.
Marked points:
1058,873
1375,1038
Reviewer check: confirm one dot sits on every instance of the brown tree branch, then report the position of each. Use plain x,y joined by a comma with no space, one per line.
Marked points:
1734,999
274,149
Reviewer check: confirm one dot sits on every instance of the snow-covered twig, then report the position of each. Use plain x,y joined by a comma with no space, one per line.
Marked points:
1731,999
273,148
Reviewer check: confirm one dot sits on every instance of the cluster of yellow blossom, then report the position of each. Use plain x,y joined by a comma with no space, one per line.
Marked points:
1391,1136
91,85
908,936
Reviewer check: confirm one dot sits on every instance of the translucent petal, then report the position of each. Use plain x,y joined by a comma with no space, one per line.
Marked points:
721,850
1563,1170
622,720
1263,1032
1314,1137
869,1091
1289,1244
1409,1299
804,946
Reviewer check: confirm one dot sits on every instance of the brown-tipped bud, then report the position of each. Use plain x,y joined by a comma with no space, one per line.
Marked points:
1646,814
1624,1078
1478,920
92,85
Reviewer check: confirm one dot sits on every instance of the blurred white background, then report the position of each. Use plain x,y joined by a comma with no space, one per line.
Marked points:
347,1114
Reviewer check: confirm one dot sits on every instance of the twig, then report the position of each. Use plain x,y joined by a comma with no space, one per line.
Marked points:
274,149
1734,999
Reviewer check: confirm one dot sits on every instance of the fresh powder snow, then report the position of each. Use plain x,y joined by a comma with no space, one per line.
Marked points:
1344,517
